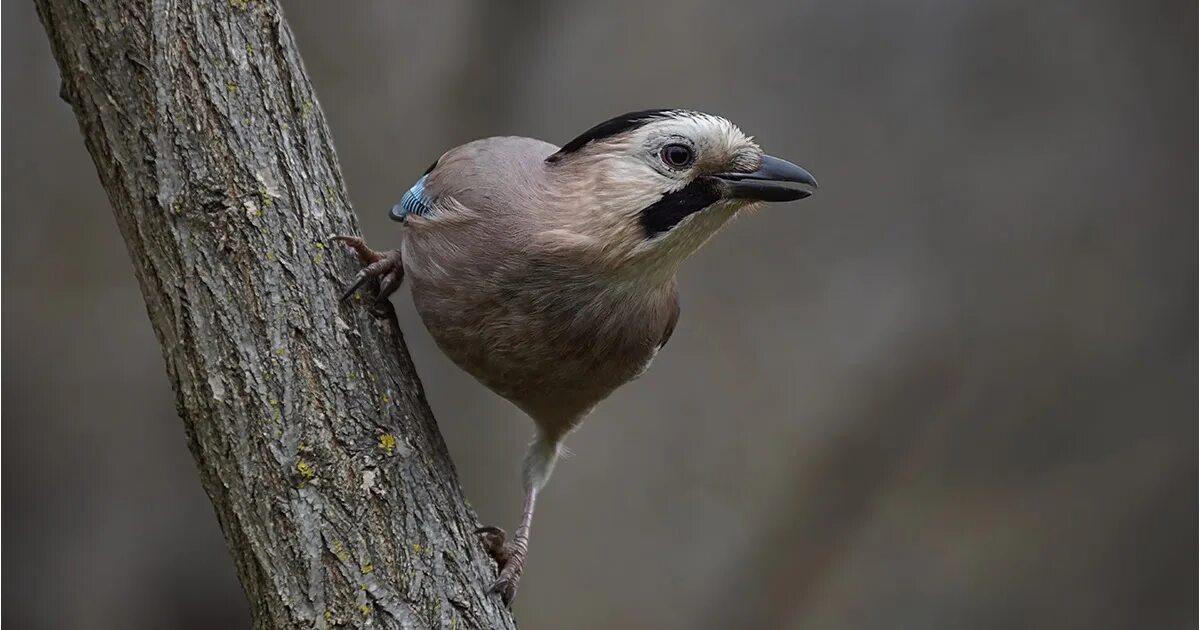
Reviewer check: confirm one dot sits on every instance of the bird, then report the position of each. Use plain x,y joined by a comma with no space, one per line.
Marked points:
549,273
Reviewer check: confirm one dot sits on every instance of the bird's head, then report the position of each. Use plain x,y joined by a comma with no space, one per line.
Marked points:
651,187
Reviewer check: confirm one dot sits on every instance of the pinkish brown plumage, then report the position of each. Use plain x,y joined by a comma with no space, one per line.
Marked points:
549,275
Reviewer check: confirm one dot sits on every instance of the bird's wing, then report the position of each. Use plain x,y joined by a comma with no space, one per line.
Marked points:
490,176
415,201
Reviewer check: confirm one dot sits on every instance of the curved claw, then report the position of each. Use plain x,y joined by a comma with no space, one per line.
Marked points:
373,270
495,542
365,253
507,588
384,266
388,283
359,280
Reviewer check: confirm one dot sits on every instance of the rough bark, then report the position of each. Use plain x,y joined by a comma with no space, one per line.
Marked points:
333,487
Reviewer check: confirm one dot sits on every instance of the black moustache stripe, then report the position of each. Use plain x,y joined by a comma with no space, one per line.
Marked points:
674,207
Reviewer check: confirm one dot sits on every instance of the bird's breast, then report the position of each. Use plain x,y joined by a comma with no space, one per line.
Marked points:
552,341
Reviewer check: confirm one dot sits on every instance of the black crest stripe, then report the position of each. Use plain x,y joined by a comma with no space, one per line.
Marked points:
674,207
609,128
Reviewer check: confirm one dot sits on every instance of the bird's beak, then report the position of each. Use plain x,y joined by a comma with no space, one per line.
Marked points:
775,180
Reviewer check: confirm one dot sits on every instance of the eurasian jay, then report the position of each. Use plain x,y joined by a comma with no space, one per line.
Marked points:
548,273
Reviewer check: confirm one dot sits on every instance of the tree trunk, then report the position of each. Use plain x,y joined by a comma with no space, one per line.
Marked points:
333,487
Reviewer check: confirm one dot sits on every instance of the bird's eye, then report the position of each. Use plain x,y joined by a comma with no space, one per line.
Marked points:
677,155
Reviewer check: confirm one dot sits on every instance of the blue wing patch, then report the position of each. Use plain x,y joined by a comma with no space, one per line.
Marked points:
414,201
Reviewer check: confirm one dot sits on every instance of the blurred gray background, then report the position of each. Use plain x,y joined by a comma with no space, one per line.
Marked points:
955,389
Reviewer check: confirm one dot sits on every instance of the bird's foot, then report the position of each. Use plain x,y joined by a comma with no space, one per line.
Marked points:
508,559
495,541
506,584
384,267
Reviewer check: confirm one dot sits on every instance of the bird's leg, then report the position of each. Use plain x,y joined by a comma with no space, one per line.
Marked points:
510,554
386,267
